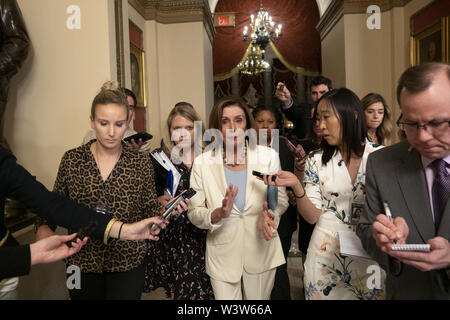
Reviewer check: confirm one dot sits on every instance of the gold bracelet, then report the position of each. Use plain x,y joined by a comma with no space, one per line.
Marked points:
108,230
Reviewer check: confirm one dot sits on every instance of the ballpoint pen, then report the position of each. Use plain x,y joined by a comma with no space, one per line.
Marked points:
387,210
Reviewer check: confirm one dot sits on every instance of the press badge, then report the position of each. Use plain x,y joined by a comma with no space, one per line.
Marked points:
101,208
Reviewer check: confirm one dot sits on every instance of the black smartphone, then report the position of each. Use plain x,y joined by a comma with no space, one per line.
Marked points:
84,232
173,204
293,149
186,195
260,175
141,135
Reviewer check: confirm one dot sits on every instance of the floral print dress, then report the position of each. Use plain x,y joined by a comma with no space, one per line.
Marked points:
329,275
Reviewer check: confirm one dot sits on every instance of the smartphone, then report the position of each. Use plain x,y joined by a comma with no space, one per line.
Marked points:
260,175
84,232
173,204
141,135
293,149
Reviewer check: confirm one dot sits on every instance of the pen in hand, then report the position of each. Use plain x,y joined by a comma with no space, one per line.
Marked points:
387,210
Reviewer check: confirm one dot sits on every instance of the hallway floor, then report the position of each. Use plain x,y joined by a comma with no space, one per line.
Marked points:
47,282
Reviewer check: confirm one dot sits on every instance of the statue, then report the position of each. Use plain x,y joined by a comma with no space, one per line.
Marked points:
14,45
251,96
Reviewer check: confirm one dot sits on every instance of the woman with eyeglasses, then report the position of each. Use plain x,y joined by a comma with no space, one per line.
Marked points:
330,196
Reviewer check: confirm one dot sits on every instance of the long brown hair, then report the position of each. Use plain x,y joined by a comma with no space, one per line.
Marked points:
384,130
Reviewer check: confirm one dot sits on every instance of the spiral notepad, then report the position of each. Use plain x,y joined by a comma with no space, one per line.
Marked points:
411,247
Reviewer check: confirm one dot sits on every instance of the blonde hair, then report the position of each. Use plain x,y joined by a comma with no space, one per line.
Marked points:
110,93
186,110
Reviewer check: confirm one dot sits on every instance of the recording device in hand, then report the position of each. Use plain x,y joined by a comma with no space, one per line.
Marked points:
293,149
141,135
173,204
260,175
84,232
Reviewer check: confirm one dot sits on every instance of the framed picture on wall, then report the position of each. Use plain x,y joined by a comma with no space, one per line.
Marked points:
137,68
431,44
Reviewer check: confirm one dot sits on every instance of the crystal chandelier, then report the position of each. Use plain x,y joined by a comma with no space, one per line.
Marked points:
262,29
253,62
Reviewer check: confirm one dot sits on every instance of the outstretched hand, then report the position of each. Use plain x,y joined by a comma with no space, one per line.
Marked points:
284,95
141,230
283,179
135,145
54,248
266,225
299,163
228,200
437,258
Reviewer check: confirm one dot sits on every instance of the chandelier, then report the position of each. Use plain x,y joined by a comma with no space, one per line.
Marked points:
253,62
262,29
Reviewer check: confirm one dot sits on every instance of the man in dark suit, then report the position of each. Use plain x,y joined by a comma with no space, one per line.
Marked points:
413,176
300,115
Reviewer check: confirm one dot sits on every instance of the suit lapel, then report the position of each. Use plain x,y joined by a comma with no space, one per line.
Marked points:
413,184
218,173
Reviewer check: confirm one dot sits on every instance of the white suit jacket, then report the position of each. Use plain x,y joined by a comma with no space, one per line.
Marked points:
235,243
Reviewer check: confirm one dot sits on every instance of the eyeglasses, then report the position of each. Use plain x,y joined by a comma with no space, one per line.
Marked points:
432,127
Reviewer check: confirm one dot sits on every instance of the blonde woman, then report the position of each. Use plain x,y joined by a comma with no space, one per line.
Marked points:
110,178
177,261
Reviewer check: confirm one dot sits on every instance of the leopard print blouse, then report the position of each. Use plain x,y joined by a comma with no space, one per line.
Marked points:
128,193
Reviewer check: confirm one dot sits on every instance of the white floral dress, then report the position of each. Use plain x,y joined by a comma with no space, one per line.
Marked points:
328,275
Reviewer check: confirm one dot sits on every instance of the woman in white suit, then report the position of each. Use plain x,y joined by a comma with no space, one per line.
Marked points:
242,246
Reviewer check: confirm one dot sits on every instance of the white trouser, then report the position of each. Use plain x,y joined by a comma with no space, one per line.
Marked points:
253,286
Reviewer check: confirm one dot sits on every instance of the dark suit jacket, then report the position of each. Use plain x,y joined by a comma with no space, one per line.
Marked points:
19,184
288,221
396,175
297,114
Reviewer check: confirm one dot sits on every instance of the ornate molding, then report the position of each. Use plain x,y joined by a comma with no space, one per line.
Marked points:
176,11
338,8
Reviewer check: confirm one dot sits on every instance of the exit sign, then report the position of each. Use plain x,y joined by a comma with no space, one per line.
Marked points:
224,20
